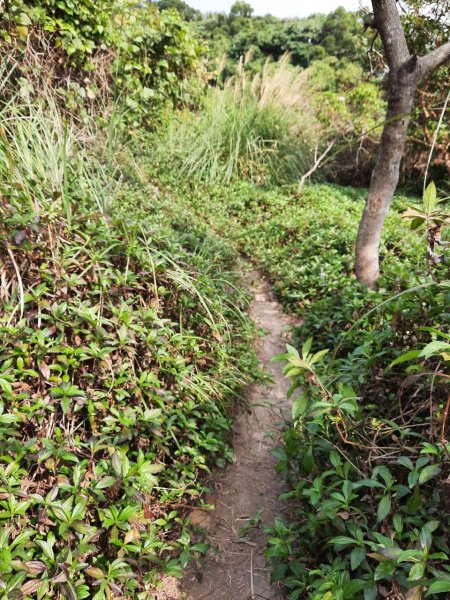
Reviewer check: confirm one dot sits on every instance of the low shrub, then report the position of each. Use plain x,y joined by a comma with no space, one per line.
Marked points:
366,455
304,242
366,461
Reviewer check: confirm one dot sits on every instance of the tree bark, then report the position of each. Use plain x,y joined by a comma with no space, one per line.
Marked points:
384,180
406,71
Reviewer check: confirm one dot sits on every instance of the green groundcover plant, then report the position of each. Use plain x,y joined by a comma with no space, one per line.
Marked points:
365,457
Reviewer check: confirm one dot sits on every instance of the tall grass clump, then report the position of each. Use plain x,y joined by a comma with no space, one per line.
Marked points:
46,160
254,128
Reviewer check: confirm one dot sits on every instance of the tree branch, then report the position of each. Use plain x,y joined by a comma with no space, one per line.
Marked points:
433,60
315,166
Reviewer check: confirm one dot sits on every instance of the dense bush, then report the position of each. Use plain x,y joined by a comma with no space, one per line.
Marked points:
306,39
92,53
123,343
188,13
337,41
79,27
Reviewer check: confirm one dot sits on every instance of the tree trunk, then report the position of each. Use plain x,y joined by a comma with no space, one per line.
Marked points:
406,71
384,178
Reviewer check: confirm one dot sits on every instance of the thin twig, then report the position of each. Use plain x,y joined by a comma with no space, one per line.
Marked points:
441,118
431,402
444,423
20,285
317,162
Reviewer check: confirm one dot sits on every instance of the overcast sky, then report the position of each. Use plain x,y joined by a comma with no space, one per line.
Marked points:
279,8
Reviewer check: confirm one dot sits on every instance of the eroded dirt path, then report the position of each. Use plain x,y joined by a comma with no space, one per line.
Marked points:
235,567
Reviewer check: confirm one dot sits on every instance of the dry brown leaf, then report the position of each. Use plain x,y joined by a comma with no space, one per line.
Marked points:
34,567
44,369
415,593
30,587
95,573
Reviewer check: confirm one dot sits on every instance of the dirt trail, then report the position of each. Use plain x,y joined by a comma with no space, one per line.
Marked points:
235,567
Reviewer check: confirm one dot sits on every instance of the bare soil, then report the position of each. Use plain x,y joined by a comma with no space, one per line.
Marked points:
246,494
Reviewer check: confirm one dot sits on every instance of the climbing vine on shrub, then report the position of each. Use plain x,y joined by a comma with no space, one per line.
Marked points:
149,60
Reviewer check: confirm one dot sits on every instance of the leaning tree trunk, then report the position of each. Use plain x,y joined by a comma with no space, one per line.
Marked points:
384,179
406,71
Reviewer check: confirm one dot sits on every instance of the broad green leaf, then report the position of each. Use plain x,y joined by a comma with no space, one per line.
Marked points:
370,592
318,355
356,557
342,540
153,468
384,570
413,478
417,571
299,362
300,406
411,355
117,464
384,508
428,473
308,461
438,587
351,588
426,534
411,555
5,561
398,523
370,483
105,482
406,462
9,418
335,459
414,502
307,347
440,575
433,348
292,350
430,197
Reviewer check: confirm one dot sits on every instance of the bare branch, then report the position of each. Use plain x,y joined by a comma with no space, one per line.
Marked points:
317,162
433,60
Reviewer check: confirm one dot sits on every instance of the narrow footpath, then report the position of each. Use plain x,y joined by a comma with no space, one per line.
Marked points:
246,494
